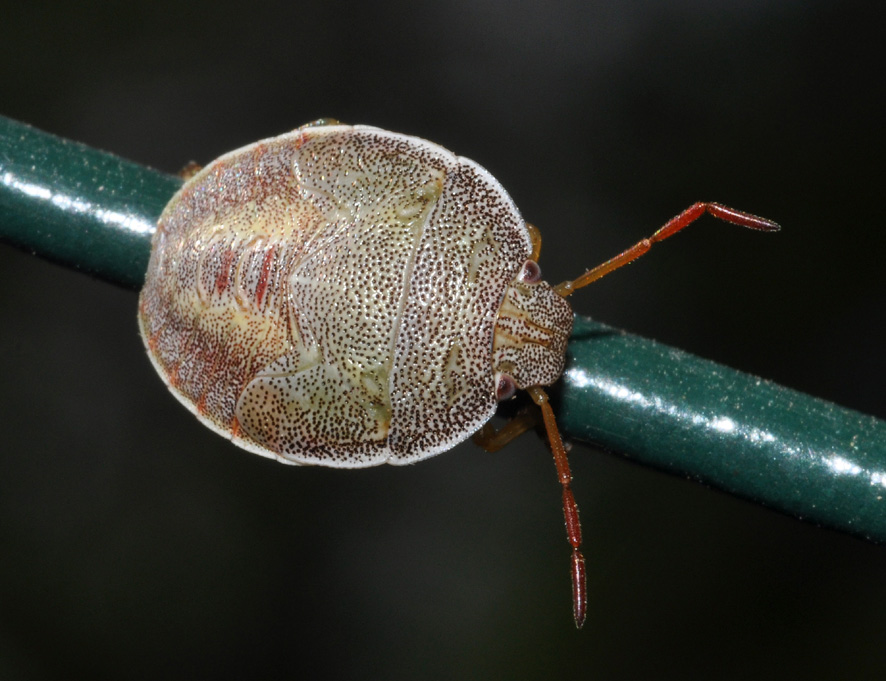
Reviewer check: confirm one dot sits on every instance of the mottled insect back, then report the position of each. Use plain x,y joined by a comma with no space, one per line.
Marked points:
345,296
330,296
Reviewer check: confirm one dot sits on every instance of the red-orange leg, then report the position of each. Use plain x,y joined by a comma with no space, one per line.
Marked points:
535,237
492,440
674,225
570,508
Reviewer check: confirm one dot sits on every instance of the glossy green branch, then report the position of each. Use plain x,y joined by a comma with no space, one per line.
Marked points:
659,406
666,408
78,206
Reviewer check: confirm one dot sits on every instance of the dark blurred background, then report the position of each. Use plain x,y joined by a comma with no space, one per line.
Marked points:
136,544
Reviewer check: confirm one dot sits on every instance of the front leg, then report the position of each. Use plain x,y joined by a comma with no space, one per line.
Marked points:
492,440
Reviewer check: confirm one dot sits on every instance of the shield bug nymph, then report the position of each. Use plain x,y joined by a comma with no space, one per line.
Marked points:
346,296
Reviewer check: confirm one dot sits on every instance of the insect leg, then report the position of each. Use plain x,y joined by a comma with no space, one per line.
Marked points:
535,236
190,169
492,440
570,508
674,225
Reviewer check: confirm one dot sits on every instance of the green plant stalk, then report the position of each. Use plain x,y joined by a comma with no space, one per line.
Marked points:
689,416
657,405
78,206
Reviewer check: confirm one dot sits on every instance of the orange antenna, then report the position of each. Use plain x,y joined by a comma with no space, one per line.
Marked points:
674,225
570,508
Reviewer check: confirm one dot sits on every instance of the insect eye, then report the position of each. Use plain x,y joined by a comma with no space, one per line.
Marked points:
505,388
531,272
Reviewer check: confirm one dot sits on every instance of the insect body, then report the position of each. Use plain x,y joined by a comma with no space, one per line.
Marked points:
346,296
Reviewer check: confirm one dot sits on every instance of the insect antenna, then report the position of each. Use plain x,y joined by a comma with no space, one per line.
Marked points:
570,508
671,227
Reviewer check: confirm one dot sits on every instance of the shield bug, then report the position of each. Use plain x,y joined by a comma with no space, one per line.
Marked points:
346,296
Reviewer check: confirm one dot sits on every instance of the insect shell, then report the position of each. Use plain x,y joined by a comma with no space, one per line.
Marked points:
345,296
348,297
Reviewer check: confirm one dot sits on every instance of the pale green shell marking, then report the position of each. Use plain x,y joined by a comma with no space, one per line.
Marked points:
331,296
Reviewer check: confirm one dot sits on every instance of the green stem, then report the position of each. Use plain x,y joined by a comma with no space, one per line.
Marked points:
78,206
657,405
666,408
